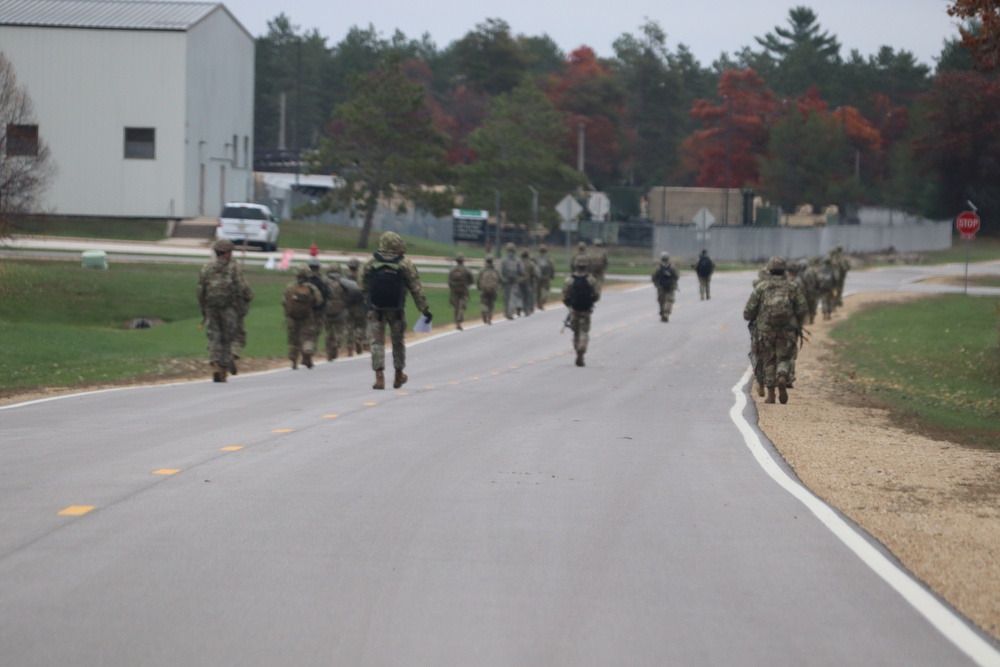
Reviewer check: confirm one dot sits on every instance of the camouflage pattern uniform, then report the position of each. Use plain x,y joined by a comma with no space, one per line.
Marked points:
599,261
528,283
665,297
704,268
487,283
776,344
546,272
459,281
223,296
579,320
581,251
323,284
301,331
335,316
827,287
511,271
842,266
357,314
391,249
810,285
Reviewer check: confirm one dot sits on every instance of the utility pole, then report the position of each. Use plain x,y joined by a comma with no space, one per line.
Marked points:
729,154
579,148
534,213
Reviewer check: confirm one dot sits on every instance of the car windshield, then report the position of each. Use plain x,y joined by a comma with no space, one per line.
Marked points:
244,212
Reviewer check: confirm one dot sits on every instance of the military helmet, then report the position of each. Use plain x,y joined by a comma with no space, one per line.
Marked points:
543,248
776,264
313,264
510,247
489,259
580,263
391,242
664,257
222,245
303,273
581,246
353,263
333,268
459,258
525,253
599,242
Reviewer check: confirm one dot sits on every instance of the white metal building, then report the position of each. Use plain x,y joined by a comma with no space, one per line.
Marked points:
146,107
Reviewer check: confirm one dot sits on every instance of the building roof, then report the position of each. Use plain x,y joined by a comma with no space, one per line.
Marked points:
105,14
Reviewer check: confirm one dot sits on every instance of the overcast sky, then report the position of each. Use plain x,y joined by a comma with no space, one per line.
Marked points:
707,28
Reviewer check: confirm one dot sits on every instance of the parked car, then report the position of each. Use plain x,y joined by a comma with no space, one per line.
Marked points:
253,223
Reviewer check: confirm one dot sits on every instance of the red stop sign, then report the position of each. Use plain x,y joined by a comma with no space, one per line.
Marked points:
967,223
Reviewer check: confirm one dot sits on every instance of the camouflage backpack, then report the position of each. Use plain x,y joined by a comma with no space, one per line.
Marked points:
458,281
489,280
825,279
776,304
299,302
220,287
336,300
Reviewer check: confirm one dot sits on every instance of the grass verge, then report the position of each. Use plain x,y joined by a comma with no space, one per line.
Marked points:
934,363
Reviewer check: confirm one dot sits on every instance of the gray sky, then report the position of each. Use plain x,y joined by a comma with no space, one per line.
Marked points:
707,28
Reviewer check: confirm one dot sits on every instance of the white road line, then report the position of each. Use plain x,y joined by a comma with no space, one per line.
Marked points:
941,617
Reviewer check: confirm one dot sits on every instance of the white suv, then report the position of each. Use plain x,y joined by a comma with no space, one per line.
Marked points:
250,223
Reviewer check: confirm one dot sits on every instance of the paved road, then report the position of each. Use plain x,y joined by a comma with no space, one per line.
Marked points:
505,508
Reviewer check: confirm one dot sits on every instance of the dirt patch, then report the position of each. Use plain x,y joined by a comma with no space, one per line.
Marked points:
934,504
983,279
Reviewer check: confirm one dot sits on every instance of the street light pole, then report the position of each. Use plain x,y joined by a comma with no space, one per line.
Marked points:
534,213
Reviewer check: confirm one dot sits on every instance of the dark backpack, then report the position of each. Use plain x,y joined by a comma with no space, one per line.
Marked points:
324,291
666,279
581,294
299,304
385,286
704,267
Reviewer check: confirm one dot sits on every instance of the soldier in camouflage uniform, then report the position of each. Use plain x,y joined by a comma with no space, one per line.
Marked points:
357,313
511,271
390,256
810,285
665,277
599,261
777,310
300,301
335,315
580,312
487,284
323,284
459,281
546,272
581,251
842,265
528,283
223,296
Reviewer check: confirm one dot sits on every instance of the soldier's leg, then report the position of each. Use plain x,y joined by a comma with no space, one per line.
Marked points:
508,294
294,340
463,303
329,326
708,288
661,296
239,338
376,334
397,331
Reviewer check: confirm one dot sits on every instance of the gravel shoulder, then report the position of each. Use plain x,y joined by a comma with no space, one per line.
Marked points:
933,504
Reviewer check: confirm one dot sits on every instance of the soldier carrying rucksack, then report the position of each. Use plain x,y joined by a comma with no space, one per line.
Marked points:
665,278
580,292
300,301
488,283
336,319
385,279
704,268
459,281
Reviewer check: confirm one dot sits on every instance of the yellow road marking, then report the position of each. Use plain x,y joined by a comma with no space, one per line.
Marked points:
428,386
494,372
165,471
369,404
453,382
232,448
283,430
75,510
402,393
512,366
330,416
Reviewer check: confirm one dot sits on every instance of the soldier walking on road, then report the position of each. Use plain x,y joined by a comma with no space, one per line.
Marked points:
224,296
487,283
335,320
357,313
322,283
777,309
528,283
385,279
579,293
704,267
459,281
599,261
581,251
665,278
511,271
301,300
546,272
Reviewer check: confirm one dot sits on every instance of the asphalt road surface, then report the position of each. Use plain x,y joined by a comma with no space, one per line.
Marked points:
503,508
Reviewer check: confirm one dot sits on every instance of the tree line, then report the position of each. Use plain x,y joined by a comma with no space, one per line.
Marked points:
497,117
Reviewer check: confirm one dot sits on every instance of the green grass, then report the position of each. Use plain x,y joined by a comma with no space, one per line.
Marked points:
981,249
935,363
63,325
92,228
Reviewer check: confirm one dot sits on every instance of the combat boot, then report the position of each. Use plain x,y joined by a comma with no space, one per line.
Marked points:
400,379
760,388
770,395
218,373
232,366
579,359
295,363
782,389
307,360
458,325
379,380
357,347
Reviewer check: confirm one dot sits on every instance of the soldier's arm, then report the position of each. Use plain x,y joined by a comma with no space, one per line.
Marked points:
413,284
753,305
597,287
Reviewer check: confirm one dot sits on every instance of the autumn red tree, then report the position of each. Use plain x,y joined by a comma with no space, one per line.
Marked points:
589,94
725,153
982,37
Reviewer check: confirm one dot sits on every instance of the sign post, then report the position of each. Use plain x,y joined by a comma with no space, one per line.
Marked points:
568,209
967,224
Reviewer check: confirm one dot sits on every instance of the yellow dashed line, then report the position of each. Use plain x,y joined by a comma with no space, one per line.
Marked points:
453,382
402,393
428,386
232,448
283,430
494,372
165,471
330,416
513,367
75,510
369,404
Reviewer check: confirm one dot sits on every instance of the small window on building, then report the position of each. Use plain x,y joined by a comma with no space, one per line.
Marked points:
22,140
140,143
